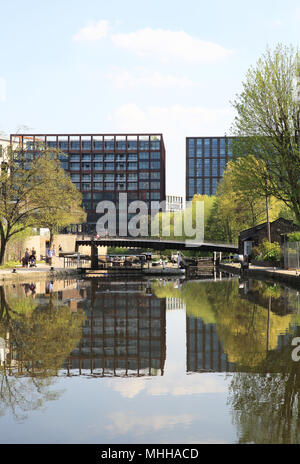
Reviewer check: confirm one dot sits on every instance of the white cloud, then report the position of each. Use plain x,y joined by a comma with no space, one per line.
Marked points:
170,45
2,89
123,423
93,31
123,78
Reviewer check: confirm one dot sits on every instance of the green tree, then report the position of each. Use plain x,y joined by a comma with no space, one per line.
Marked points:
34,192
267,122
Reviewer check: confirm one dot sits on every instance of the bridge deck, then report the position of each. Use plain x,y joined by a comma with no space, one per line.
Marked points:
158,244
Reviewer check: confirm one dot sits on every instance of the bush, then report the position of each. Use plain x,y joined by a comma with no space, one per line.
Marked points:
267,251
294,237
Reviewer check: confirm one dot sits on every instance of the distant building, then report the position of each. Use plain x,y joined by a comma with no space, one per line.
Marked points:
206,160
174,203
103,165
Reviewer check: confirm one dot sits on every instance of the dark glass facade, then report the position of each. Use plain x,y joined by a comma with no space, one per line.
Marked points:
206,159
102,166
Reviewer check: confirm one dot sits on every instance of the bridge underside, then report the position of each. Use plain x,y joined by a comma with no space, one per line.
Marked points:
157,244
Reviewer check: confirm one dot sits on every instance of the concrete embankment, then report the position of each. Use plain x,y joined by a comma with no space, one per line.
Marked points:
288,277
37,274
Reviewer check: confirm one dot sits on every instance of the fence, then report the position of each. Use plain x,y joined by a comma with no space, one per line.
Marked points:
291,255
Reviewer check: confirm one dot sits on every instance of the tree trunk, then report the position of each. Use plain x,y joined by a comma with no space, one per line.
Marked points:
51,238
2,250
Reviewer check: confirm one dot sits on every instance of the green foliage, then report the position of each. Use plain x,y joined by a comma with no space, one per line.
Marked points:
294,237
267,251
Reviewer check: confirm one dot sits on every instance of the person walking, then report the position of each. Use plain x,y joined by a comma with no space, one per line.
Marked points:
26,256
49,255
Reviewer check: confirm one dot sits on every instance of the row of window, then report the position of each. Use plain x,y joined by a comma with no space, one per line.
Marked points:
209,146
129,166
89,198
154,175
202,186
117,185
100,145
207,167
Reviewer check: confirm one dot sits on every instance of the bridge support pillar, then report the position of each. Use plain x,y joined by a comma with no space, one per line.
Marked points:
94,256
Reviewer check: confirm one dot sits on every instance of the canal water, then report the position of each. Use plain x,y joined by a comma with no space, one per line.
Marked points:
169,361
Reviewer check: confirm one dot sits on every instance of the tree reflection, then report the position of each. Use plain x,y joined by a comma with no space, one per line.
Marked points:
36,339
266,404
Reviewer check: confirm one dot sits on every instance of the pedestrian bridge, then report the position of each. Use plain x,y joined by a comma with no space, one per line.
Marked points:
157,244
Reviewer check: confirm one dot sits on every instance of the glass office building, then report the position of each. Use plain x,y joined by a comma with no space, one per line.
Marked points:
103,165
206,159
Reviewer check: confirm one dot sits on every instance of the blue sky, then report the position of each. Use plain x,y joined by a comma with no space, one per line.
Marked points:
164,66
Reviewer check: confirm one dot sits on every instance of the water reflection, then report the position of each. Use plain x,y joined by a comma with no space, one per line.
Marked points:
176,334
124,331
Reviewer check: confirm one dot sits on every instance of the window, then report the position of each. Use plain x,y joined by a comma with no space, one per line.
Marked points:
144,145
86,166
98,185
132,186
214,144
144,185
132,176
206,187
74,167
109,157
75,145
199,171
144,155
229,148
86,144
191,186
155,164
191,166
214,166
191,147
86,177
86,157
74,157
144,175
155,155
86,186
132,157
222,147
214,186
109,177
199,185
121,167
155,195
98,145
121,157
132,145
98,157
98,177
109,166
155,175
144,164
206,146
63,145
98,166
222,165
155,144
121,186
109,186
109,145
121,177
155,185
207,167
121,145
132,166
75,177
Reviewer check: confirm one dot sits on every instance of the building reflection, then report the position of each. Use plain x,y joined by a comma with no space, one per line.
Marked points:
205,352
124,333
